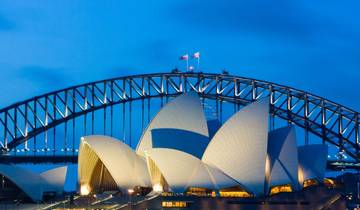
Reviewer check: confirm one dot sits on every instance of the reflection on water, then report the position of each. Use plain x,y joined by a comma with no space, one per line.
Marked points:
233,204
316,197
196,204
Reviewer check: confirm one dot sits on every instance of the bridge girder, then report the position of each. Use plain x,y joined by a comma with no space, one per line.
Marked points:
332,165
332,122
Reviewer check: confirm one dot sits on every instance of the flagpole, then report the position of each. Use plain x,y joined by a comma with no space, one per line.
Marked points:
198,64
197,57
185,57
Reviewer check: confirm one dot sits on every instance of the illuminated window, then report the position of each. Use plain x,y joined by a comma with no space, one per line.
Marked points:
167,194
234,192
310,182
280,188
174,204
329,182
198,191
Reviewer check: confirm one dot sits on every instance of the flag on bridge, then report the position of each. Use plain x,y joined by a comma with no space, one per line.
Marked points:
196,55
184,57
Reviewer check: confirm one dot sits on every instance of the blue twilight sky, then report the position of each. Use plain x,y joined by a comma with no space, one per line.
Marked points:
310,45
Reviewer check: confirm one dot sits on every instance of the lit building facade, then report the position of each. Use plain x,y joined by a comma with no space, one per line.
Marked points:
182,152
106,164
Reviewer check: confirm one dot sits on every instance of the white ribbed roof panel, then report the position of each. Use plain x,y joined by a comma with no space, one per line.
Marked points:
125,166
239,147
177,167
183,112
219,178
29,182
182,170
312,161
283,158
56,178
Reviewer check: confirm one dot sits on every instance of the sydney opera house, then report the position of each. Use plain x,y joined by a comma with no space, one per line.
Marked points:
181,152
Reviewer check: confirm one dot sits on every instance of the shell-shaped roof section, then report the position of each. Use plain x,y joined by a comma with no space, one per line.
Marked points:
126,167
283,158
56,178
182,170
239,147
312,161
183,113
29,182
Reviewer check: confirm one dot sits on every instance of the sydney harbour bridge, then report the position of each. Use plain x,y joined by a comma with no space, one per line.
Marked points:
47,128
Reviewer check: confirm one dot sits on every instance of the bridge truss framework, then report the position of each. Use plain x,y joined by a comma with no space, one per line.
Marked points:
32,120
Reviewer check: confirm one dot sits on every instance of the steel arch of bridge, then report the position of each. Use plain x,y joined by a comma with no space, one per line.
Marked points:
332,122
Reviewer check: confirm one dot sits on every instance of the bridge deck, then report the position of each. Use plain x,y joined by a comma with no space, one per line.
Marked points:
36,159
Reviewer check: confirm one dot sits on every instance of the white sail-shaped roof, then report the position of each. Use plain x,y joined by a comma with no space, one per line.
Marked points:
182,113
29,182
33,184
283,158
182,170
312,161
125,167
239,147
56,178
